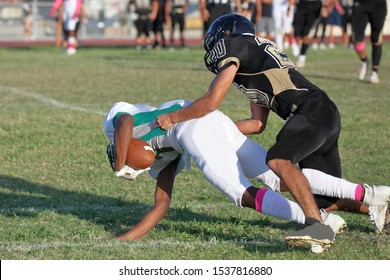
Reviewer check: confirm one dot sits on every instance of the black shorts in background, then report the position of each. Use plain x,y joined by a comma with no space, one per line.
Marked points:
305,16
373,12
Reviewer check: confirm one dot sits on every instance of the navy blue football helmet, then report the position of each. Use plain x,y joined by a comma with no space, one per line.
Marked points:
226,26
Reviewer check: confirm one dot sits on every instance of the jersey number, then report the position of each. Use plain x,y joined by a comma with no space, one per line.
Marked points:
277,54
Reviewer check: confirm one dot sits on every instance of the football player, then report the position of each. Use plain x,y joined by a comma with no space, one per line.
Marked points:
205,140
177,10
373,12
306,14
70,18
268,78
146,12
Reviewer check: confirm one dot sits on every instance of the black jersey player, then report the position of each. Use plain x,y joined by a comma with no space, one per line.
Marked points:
373,12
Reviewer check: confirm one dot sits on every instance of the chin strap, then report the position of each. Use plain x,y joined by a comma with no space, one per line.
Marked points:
129,173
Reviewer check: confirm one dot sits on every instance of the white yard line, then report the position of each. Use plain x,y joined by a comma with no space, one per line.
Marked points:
13,247
45,99
97,207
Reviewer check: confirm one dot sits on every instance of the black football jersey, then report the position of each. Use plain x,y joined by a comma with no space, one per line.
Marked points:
265,74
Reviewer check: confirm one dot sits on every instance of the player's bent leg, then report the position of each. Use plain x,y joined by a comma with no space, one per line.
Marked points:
347,205
297,185
271,203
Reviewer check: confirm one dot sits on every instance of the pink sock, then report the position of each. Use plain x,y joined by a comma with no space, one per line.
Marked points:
259,199
359,193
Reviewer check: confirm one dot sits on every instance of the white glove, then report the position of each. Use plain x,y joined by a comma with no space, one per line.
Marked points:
129,173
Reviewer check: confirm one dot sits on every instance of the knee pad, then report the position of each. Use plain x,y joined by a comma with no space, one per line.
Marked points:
360,46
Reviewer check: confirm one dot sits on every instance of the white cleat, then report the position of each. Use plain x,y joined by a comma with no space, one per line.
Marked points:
71,51
378,215
295,49
377,199
337,223
374,79
301,62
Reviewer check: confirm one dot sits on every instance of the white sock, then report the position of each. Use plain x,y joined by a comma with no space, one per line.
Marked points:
271,203
71,42
324,184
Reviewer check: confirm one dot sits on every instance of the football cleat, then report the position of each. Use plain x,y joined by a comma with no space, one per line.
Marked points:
376,195
301,62
378,215
71,51
322,46
374,79
377,200
295,49
337,223
317,234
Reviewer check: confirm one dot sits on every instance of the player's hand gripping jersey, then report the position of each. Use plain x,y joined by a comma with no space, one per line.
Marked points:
265,74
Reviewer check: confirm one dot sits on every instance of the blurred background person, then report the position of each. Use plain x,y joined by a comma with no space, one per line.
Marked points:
248,9
82,19
177,10
27,20
159,23
334,20
346,21
319,35
373,12
71,10
210,10
306,14
283,17
145,13
265,26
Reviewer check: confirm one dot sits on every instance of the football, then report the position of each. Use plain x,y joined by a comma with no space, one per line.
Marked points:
139,155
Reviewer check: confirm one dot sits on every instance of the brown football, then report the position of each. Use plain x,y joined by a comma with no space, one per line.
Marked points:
139,155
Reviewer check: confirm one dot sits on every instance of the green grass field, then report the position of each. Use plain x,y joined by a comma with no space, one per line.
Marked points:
60,200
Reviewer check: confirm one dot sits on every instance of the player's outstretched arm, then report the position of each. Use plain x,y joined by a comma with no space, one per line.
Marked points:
162,200
204,105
